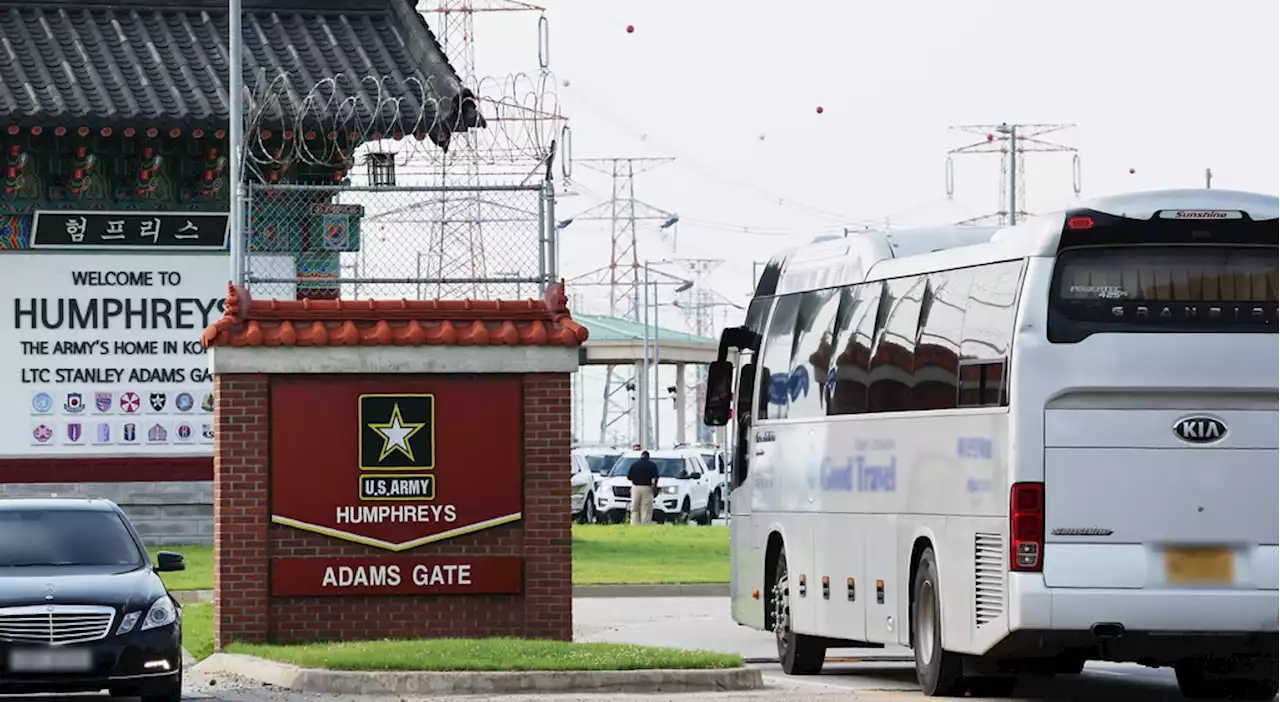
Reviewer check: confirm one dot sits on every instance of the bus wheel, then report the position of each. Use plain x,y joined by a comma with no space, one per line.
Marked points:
799,654
939,672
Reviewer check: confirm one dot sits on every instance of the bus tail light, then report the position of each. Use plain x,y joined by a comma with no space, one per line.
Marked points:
1026,527
1078,223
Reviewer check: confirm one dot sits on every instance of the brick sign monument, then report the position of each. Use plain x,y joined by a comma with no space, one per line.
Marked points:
392,468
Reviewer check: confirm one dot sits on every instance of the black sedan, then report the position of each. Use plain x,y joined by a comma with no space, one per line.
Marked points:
82,608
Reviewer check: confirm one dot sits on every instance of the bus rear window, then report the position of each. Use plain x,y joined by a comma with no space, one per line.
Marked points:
1163,289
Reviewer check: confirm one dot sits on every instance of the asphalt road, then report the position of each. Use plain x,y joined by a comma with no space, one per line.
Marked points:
704,623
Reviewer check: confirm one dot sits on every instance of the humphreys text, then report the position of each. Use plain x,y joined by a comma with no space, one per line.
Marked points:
97,325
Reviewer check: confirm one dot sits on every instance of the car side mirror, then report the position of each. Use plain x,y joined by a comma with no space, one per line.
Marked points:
169,562
684,475
719,400
696,476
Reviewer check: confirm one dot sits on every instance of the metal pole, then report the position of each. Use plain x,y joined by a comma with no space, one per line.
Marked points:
657,374
419,273
235,109
1208,179
642,383
553,266
545,228
1013,174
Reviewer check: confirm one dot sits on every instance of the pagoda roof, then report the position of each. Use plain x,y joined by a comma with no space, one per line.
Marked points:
306,63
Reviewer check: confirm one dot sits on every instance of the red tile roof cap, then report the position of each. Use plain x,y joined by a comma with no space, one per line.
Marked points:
249,322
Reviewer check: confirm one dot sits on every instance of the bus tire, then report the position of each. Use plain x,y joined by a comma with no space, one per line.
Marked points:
798,654
939,672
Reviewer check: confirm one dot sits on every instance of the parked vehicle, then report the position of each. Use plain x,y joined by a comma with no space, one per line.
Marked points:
583,490
600,459
82,608
715,459
683,488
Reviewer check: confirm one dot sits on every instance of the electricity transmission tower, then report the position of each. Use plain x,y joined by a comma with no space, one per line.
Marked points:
700,316
456,254
623,276
1011,141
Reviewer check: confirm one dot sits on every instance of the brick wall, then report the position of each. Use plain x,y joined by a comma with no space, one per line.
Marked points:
244,540
241,512
548,570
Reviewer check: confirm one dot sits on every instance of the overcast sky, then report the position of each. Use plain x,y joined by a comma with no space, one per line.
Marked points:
730,88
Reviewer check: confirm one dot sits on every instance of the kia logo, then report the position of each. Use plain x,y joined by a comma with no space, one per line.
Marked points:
1199,430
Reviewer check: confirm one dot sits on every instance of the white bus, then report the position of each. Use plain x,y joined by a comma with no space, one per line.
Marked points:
1016,450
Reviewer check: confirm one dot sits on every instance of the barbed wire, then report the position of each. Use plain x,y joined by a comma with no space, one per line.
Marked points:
328,122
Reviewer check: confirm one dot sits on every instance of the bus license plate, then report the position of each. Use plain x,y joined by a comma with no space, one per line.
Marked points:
1199,566
49,661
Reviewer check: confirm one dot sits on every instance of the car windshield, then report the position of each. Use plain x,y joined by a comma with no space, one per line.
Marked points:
710,460
600,463
38,537
667,467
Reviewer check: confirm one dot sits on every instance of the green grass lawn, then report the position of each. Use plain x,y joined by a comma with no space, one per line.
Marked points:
199,572
453,654
197,629
617,554
485,654
621,554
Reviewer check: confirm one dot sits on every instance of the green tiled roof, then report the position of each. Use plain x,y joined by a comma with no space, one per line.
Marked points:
616,329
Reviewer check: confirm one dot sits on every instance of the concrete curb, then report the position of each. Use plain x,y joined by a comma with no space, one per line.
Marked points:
343,682
677,590
192,596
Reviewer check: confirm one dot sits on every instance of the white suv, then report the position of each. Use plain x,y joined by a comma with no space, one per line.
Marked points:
583,485
684,488
713,457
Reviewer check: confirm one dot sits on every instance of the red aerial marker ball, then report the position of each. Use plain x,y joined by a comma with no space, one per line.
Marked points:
991,137
1131,171
631,29
819,109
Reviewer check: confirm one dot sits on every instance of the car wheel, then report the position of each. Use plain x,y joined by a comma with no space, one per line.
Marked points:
713,506
685,509
939,672
588,513
798,654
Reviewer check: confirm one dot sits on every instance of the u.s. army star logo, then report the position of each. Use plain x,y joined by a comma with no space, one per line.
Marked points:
397,432
395,435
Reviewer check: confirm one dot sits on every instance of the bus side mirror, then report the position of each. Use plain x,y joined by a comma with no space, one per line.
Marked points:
715,413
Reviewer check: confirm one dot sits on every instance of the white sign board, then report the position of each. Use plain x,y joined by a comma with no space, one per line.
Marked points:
104,353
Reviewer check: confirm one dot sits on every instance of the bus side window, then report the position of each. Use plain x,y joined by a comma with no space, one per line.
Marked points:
937,372
893,362
988,333
775,377
812,358
849,396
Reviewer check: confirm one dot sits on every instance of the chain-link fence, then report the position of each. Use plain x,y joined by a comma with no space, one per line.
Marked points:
399,242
